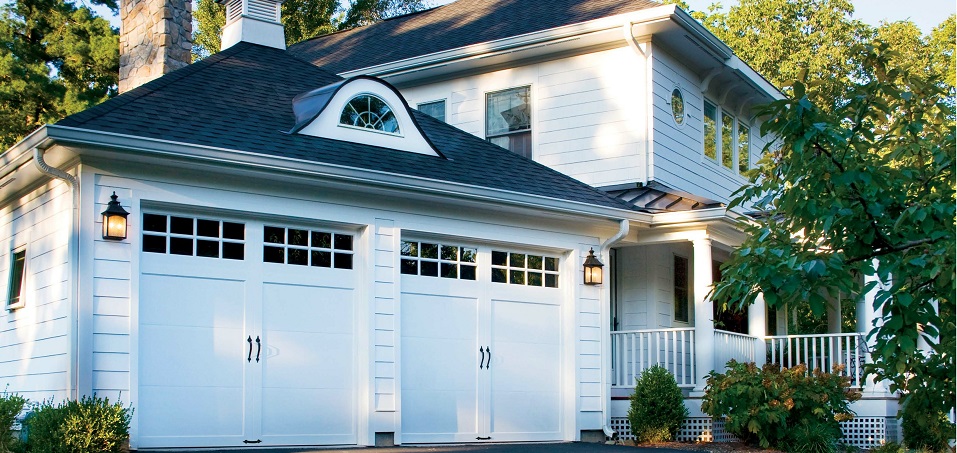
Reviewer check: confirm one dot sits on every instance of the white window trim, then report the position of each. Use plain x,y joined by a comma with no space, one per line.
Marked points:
684,111
418,106
720,113
532,127
367,129
21,301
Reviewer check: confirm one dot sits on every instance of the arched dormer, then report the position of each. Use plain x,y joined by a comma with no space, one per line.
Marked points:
363,110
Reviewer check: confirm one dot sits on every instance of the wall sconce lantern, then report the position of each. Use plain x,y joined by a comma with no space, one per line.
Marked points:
114,220
592,268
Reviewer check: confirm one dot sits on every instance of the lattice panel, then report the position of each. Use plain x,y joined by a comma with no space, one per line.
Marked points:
865,432
720,434
695,429
622,426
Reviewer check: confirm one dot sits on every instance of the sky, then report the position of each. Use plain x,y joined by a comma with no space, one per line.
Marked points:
927,14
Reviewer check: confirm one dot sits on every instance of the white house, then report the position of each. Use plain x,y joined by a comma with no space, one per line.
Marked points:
308,260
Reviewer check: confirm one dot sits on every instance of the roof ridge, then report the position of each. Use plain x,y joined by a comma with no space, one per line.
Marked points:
153,86
368,26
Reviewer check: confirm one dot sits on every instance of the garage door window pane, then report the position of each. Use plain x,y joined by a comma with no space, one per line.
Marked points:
234,231
499,258
274,235
437,260
180,246
410,248
410,267
321,259
207,228
429,268
343,242
304,247
429,251
298,257
499,276
209,249
181,225
467,272
525,269
343,261
154,244
233,251
153,222
298,237
274,254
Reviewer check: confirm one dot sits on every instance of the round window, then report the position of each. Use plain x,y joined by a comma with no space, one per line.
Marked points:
369,112
678,106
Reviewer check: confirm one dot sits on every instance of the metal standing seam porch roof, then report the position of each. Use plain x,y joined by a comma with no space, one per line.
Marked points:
241,99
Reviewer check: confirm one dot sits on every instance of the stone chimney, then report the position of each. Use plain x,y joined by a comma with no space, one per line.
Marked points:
155,38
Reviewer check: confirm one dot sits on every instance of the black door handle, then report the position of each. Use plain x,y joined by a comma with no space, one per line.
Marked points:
249,357
259,348
489,352
481,360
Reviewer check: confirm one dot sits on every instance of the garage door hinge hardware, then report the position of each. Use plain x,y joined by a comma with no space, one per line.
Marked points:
249,357
483,438
257,441
259,348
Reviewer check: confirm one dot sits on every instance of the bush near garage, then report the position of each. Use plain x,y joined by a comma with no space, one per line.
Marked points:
930,434
657,406
89,425
11,404
781,408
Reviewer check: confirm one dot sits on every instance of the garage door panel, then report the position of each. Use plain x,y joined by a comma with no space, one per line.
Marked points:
458,315
307,308
191,301
215,357
325,411
524,414
439,415
308,360
208,412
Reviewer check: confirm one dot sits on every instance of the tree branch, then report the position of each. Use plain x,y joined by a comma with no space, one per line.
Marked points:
893,249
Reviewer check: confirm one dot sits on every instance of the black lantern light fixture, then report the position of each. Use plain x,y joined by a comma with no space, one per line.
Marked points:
592,268
114,220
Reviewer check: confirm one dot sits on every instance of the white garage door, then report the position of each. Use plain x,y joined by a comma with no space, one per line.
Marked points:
481,344
245,334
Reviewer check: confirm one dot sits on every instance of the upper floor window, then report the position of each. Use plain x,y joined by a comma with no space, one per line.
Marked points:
18,265
508,120
369,112
726,139
435,109
678,106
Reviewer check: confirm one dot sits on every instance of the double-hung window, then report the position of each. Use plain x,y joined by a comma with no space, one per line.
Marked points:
435,109
508,120
727,140
18,267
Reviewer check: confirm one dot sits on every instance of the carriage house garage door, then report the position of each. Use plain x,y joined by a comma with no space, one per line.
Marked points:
246,334
481,343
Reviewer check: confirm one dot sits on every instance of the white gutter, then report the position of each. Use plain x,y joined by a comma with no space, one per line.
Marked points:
73,375
605,298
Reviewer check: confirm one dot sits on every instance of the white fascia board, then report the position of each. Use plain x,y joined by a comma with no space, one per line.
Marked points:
695,216
513,43
752,76
243,159
22,151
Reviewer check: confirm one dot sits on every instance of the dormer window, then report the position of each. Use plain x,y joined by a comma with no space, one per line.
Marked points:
369,112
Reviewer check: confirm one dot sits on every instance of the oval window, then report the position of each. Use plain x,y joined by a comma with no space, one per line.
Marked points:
369,112
678,106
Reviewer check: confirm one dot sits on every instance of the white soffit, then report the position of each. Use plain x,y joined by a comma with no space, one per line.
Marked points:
326,124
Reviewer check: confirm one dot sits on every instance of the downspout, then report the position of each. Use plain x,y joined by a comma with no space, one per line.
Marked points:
605,296
73,375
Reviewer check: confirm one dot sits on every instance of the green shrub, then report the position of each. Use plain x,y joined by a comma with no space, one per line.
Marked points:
657,406
86,426
762,406
890,447
11,405
926,433
813,437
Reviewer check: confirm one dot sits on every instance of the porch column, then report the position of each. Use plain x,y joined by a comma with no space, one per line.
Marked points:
867,318
834,315
703,313
758,327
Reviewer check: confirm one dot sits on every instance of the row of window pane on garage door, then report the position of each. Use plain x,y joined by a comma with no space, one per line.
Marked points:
433,259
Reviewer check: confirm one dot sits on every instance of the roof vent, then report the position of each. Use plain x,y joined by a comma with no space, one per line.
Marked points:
254,21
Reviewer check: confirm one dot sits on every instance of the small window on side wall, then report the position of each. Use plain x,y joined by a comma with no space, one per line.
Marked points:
435,109
678,106
710,130
18,265
508,120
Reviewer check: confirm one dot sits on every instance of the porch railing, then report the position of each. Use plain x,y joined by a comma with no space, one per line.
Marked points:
634,351
732,345
822,351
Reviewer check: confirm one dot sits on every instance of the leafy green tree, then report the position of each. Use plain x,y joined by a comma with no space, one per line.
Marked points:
302,19
55,59
862,191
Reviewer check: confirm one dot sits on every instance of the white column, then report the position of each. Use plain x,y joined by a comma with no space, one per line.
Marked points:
867,319
703,313
758,327
834,315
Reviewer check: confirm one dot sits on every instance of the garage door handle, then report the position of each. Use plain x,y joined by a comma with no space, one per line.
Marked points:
249,357
481,360
489,352
259,348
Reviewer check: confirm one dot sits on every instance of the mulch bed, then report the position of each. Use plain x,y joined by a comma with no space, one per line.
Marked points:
705,447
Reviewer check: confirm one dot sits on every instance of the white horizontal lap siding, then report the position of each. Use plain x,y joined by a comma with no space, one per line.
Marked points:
384,323
34,339
587,111
589,326
112,273
679,160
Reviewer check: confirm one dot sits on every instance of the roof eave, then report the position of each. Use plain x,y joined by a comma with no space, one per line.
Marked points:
230,157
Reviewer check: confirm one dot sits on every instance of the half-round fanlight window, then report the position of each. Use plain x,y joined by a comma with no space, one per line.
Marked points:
370,112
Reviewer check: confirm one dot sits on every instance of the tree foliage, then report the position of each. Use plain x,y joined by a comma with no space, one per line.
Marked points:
55,59
302,19
864,190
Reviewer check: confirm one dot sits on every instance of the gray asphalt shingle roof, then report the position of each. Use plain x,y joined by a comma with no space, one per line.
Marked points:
451,26
241,99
